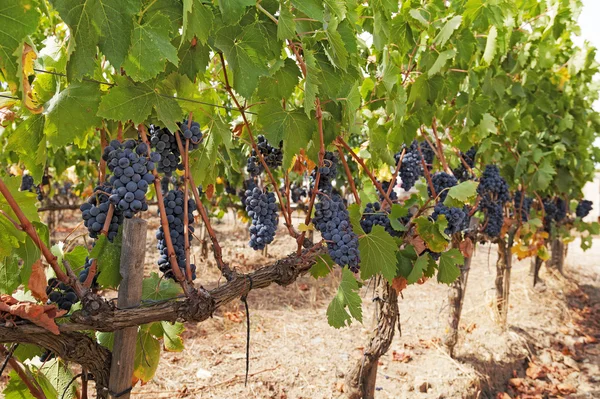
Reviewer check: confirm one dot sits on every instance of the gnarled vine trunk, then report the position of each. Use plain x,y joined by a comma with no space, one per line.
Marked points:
534,270
360,381
503,272
557,259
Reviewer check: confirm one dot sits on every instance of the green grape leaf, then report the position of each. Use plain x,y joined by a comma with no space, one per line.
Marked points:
150,37
81,17
108,260
419,267
448,268
18,18
337,50
282,82
29,141
172,340
355,216
490,46
461,194
24,199
311,83
27,351
60,376
17,389
286,28
429,231
29,253
10,279
134,101
405,261
197,21
293,127
440,62
76,257
346,304
115,19
543,175
193,59
158,289
322,267
449,27
312,8
147,355
377,254
106,339
398,211
202,163
233,10
71,113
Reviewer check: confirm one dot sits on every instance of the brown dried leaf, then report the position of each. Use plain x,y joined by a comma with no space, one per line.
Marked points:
503,395
37,281
42,315
516,382
566,389
535,372
466,247
399,283
418,243
401,357
236,317
210,191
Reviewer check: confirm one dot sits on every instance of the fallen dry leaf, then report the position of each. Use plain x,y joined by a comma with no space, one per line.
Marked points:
566,389
535,372
503,395
37,281
401,357
236,317
303,287
42,315
516,382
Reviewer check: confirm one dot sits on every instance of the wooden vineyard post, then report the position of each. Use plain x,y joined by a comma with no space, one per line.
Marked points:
133,253
456,297
503,272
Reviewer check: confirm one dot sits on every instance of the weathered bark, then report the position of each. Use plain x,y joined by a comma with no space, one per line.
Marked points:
198,307
557,259
70,346
360,381
536,265
456,297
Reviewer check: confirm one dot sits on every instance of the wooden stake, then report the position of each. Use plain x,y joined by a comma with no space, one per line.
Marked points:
133,252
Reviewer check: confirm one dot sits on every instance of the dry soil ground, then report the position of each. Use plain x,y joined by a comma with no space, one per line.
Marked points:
549,349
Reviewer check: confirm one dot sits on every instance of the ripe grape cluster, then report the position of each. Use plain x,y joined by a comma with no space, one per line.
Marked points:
461,172
583,208
191,133
561,209
385,185
131,170
26,183
273,156
456,217
95,211
248,185
412,167
374,215
524,204
333,221
327,172
441,183
262,208
61,294
493,191
297,192
550,211
174,208
165,144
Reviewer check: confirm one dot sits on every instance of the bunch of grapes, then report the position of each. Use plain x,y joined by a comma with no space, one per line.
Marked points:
26,183
229,189
273,156
262,208
385,185
373,215
327,172
131,168
165,144
95,211
441,183
524,204
191,133
174,209
561,209
411,168
493,191
297,192
461,172
583,208
333,221
455,216
550,210
83,275
61,294
249,185
428,154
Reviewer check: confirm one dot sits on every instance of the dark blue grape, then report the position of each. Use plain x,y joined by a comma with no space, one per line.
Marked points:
583,208
441,183
455,216
524,204
262,208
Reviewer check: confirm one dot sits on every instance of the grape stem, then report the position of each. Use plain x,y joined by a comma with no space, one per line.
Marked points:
398,166
28,228
349,176
164,222
439,146
319,118
340,141
94,266
287,194
426,172
462,159
228,88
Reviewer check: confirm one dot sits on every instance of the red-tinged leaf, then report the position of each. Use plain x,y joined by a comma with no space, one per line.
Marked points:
401,357
466,247
210,191
42,315
399,283
37,281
